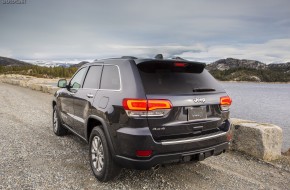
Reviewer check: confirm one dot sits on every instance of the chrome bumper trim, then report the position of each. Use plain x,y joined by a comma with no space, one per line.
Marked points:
193,140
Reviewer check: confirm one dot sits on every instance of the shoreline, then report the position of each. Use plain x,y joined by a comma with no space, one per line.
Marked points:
256,82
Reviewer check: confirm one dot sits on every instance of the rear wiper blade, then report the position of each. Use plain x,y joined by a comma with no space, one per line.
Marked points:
203,90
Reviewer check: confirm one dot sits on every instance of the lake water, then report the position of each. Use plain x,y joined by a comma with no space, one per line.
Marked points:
262,102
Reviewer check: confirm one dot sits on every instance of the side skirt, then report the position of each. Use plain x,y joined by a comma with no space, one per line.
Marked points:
70,129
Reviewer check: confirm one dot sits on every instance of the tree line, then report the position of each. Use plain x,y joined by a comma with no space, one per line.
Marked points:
39,71
237,74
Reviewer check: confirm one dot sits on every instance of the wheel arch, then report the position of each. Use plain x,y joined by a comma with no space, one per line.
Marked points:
53,103
93,121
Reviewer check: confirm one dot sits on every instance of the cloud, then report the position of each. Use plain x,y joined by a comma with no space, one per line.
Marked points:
5,52
268,52
203,30
271,51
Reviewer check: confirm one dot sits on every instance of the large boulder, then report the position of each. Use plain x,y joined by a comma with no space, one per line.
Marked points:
263,141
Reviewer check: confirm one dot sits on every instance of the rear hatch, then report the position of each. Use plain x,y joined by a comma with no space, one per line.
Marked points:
194,95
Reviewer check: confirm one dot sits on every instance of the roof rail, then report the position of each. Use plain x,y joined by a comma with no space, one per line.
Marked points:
128,57
158,56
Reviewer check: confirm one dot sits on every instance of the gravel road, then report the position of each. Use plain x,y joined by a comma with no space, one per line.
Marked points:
32,157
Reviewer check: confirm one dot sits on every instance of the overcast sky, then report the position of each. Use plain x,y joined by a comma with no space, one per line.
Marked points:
201,30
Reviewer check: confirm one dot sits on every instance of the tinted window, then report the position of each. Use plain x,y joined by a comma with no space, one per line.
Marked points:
93,77
77,79
110,78
165,78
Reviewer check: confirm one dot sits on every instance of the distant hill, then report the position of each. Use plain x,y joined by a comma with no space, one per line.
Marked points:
4,61
280,66
231,63
231,69
13,66
80,64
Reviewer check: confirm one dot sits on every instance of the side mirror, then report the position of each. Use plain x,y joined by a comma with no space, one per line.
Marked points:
62,83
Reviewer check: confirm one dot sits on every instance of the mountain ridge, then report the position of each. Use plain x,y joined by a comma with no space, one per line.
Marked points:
230,63
229,69
232,69
5,61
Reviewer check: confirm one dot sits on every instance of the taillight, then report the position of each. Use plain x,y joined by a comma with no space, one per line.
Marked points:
135,104
158,104
144,108
225,103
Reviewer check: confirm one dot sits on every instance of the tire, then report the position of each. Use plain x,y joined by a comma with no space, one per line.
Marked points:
101,160
57,127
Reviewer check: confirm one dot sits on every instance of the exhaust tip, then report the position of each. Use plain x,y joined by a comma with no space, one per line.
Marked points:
156,167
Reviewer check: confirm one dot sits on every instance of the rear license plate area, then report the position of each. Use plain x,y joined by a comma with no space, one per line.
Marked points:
194,113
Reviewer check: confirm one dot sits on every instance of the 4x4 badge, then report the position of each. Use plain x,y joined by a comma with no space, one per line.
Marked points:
199,100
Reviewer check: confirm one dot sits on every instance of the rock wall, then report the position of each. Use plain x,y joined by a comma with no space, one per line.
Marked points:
39,84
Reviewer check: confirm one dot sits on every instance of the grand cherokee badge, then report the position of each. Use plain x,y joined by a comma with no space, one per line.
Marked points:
199,100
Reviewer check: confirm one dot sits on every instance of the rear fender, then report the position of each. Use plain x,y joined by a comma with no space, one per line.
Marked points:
105,129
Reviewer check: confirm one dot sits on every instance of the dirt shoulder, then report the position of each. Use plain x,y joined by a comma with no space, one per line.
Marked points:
32,157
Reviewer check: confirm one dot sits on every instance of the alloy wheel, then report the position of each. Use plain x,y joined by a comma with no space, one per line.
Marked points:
55,121
97,152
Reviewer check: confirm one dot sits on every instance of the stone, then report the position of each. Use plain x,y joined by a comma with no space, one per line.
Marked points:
45,88
52,89
38,87
32,86
263,141
23,83
287,153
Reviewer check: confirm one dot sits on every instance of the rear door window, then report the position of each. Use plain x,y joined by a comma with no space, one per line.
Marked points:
110,78
93,77
172,78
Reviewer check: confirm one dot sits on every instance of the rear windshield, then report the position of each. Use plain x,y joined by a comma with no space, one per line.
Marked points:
167,78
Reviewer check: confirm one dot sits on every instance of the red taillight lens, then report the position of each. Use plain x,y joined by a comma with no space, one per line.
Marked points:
142,107
225,103
226,100
143,153
159,104
135,104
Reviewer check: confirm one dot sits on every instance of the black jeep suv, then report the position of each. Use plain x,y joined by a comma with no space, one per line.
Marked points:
140,113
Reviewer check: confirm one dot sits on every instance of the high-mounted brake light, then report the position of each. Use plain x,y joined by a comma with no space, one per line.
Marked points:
180,64
225,103
143,107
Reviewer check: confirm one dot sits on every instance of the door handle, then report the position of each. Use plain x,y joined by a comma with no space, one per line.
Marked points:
90,95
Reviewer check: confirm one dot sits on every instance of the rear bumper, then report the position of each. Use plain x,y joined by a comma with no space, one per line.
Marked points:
196,155
129,140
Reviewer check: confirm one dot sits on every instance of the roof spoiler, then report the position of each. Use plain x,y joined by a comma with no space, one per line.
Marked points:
128,57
